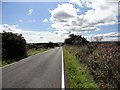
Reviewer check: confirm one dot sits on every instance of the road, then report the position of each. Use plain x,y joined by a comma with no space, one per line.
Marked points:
38,71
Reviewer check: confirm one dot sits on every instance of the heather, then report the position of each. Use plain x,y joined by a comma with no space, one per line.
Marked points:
102,60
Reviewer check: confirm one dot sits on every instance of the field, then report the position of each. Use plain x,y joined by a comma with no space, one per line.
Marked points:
102,61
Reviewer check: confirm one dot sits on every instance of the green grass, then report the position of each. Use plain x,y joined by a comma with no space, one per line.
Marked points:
29,53
0,63
34,51
78,74
6,62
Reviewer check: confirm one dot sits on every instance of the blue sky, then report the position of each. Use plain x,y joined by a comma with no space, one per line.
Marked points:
13,12
29,16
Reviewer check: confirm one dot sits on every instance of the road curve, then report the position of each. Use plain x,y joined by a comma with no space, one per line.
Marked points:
38,71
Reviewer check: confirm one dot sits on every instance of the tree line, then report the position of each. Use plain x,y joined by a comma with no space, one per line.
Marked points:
15,46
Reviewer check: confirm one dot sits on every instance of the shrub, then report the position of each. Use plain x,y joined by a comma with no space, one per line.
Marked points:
76,40
50,44
103,61
13,45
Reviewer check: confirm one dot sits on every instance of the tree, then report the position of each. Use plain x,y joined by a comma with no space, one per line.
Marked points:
13,45
50,44
76,40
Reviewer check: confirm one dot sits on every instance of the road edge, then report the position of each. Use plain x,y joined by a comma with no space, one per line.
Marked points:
63,77
24,59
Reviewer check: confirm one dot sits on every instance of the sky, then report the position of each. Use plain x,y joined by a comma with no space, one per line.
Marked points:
42,22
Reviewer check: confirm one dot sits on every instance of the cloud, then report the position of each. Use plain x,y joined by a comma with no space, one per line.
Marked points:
56,36
62,16
34,36
89,3
45,20
30,12
41,37
100,13
10,28
111,36
63,12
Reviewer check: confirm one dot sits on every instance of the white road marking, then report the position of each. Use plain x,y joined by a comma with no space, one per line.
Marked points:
63,80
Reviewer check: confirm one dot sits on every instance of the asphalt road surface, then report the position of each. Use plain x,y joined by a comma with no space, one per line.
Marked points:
38,71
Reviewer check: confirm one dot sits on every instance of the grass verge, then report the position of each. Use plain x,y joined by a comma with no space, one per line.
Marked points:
29,53
6,62
35,51
78,74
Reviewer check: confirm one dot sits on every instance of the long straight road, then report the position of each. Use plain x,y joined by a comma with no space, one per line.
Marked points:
38,71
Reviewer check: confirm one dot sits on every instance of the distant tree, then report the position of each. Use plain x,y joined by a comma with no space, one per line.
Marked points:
56,45
13,45
50,44
76,40
69,41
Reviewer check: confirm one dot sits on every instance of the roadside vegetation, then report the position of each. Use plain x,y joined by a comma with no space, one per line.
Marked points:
78,74
33,51
30,52
13,48
101,60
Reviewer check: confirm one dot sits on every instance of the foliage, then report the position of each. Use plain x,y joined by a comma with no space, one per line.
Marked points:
76,40
13,46
78,74
102,61
50,44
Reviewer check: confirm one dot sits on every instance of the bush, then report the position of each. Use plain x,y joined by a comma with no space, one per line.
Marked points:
103,62
50,45
13,46
76,40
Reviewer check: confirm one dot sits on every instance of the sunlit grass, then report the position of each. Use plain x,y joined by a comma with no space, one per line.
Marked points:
35,51
78,74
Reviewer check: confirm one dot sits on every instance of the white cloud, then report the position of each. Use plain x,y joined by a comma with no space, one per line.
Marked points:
56,36
8,28
30,12
63,12
62,16
34,36
88,3
41,37
100,12
111,36
45,20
